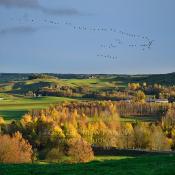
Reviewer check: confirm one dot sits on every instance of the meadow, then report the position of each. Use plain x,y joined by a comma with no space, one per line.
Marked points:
16,104
14,107
144,165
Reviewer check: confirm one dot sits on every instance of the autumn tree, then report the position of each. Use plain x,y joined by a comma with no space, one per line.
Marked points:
133,86
141,135
2,121
140,97
127,136
168,122
80,151
15,149
105,138
158,141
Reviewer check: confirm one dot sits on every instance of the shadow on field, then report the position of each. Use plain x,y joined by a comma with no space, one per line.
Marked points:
12,114
112,151
144,165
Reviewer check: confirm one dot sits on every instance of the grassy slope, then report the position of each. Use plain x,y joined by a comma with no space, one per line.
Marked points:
146,165
163,79
94,84
14,107
32,85
22,87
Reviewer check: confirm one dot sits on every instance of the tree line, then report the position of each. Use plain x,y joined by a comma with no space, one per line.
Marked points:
67,132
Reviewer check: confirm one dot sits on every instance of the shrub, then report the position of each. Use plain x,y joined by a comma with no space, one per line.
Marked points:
80,151
55,155
15,149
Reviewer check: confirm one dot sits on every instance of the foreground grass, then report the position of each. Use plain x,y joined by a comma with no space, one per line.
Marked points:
146,165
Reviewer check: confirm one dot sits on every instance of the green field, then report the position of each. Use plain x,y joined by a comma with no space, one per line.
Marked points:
15,104
145,165
148,118
14,107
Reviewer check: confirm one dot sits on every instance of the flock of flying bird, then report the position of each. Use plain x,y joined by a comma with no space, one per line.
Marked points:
146,42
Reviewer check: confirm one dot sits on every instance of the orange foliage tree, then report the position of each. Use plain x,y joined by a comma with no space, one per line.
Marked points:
80,151
15,149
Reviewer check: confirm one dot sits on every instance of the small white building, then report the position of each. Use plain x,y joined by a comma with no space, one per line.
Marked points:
161,101
150,100
126,100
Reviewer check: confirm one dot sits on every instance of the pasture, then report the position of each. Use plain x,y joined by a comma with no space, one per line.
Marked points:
14,107
144,165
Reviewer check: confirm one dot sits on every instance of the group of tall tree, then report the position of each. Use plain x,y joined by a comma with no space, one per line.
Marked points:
155,90
68,131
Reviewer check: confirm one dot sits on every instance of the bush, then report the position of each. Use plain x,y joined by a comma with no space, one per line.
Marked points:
80,151
55,155
15,149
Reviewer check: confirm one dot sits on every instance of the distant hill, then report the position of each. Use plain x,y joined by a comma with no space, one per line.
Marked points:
7,77
164,79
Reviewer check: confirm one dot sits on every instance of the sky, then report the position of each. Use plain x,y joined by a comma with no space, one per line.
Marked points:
43,36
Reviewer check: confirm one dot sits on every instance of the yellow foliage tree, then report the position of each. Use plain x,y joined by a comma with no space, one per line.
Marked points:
133,86
2,121
127,136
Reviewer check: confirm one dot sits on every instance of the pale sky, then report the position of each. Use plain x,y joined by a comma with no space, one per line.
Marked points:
48,36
